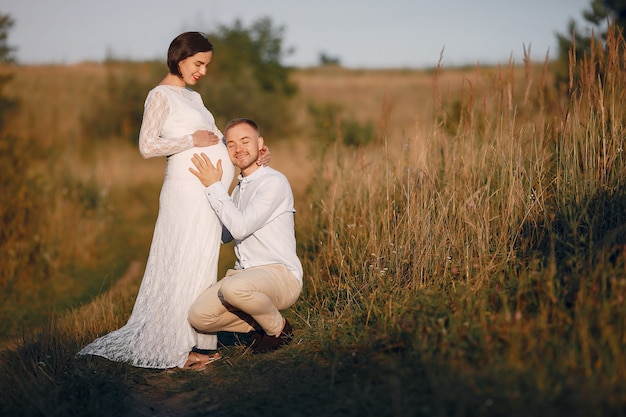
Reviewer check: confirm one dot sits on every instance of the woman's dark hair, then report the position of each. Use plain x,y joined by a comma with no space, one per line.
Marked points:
185,45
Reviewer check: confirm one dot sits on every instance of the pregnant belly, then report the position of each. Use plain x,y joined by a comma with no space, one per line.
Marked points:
178,165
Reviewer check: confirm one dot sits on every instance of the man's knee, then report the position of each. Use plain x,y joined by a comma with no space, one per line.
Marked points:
194,316
231,291
200,318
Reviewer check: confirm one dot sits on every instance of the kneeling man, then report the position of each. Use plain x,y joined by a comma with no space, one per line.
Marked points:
267,276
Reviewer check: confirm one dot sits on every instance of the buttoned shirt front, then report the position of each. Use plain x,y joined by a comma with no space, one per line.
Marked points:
260,218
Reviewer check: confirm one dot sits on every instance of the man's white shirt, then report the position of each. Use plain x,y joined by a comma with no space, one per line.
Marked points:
260,218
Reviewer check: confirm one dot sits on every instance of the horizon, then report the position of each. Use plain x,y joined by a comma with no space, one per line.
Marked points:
359,35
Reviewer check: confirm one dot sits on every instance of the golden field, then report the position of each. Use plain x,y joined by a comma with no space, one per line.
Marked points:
467,261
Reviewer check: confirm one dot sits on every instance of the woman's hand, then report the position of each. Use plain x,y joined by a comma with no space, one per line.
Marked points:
202,138
264,156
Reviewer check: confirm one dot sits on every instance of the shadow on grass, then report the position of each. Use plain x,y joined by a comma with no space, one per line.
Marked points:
361,382
39,380
586,231
42,378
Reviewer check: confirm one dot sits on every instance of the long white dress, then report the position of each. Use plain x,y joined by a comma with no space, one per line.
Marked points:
183,257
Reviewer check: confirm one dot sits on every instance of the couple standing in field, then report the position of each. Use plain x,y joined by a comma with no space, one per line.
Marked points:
181,306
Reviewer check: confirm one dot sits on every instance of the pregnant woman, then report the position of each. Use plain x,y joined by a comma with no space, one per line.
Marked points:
183,257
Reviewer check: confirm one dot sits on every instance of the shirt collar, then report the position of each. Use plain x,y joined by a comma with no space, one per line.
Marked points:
256,174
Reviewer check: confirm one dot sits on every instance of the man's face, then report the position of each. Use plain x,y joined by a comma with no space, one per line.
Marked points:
243,144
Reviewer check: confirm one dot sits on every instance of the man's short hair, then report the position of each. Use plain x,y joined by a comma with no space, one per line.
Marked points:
241,120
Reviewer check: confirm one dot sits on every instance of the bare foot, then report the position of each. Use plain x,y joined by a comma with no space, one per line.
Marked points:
199,361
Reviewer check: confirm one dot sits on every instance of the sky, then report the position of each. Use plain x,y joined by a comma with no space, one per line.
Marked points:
360,33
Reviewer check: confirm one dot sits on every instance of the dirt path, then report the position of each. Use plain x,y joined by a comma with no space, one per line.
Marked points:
161,397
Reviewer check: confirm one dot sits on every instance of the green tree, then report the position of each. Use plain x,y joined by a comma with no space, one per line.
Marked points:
330,127
117,109
325,59
248,77
6,56
601,17
6,51
257,51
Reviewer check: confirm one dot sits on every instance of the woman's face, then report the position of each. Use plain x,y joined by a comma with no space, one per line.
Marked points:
194,67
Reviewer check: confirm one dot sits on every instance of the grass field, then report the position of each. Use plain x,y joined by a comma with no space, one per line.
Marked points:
468,261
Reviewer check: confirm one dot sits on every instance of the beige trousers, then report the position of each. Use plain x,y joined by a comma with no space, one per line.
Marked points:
245,298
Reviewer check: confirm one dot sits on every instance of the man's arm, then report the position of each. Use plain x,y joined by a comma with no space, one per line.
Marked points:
271,198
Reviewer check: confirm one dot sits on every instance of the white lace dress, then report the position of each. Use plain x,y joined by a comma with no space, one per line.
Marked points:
185,245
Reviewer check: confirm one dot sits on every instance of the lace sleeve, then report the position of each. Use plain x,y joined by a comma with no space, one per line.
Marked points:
151,143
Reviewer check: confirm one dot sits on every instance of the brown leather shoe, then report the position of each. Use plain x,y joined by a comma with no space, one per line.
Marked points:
262,342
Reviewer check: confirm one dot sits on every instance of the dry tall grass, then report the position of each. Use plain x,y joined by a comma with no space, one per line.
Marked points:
492,242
